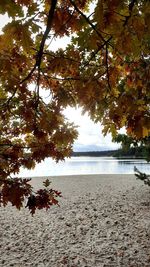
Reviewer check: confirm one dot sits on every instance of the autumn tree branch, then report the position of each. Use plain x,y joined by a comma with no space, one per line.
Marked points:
131,6
87,19
107,68
105,42
62,26
74,60
42,44
45,35
95,53
89,22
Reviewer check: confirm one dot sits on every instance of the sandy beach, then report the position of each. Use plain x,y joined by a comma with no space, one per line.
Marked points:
102,221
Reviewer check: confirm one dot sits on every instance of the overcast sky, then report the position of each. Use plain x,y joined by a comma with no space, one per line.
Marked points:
90,134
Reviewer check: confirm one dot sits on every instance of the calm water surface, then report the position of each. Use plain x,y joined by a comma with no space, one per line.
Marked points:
87,165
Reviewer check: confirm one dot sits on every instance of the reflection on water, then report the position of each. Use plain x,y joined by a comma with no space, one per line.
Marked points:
131,162
87,165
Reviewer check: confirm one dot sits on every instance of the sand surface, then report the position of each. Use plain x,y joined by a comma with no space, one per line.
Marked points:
103,220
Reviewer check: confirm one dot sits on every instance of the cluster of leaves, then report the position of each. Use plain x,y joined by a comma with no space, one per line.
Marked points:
43,198
142,176
16,191
105,69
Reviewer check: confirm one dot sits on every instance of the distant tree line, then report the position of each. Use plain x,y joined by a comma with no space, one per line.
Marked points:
130,147
107,153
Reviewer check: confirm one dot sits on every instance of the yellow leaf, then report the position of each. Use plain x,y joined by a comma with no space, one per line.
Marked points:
145,132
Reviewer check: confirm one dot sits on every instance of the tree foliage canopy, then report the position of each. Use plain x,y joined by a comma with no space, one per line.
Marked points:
131,147
104,68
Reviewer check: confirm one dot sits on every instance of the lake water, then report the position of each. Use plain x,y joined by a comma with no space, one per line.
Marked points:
87,165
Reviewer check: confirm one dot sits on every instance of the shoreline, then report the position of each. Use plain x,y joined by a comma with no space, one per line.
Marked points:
85,183
102,221
75,184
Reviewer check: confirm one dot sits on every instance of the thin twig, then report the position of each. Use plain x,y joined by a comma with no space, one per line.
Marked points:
87,19
107,68
95,53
